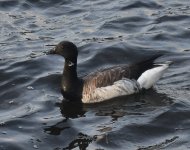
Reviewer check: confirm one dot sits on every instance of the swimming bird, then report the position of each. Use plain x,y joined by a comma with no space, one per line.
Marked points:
107,83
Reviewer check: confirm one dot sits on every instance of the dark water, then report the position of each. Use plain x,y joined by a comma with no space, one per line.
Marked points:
32,113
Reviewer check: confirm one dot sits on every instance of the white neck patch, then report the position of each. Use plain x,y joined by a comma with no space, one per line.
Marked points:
70,63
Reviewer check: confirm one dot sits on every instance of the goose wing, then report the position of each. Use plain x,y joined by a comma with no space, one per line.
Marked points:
105,77
109,83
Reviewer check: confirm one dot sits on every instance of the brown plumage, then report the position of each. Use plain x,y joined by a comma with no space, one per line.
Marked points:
105,77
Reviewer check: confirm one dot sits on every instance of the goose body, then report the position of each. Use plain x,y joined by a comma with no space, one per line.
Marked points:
106,83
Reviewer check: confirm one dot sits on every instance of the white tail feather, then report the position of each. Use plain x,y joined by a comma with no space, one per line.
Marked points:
151,76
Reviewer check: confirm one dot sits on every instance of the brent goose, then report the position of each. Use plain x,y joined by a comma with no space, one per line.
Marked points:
106,83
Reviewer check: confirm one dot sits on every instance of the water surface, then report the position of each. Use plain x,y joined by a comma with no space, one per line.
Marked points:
33,114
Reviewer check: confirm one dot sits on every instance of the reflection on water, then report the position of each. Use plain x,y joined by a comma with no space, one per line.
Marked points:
82,141
138,106
71,109
33,113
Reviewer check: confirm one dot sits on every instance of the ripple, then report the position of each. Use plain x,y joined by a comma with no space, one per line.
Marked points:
19,112
8,4
167,18
129,24
139,4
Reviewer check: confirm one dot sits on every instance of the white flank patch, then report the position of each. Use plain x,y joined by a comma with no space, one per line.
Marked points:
119,88
151,76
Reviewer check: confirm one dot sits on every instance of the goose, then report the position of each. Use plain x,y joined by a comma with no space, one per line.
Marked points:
107,83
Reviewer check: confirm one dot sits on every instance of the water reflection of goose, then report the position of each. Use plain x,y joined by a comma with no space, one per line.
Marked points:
107,83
